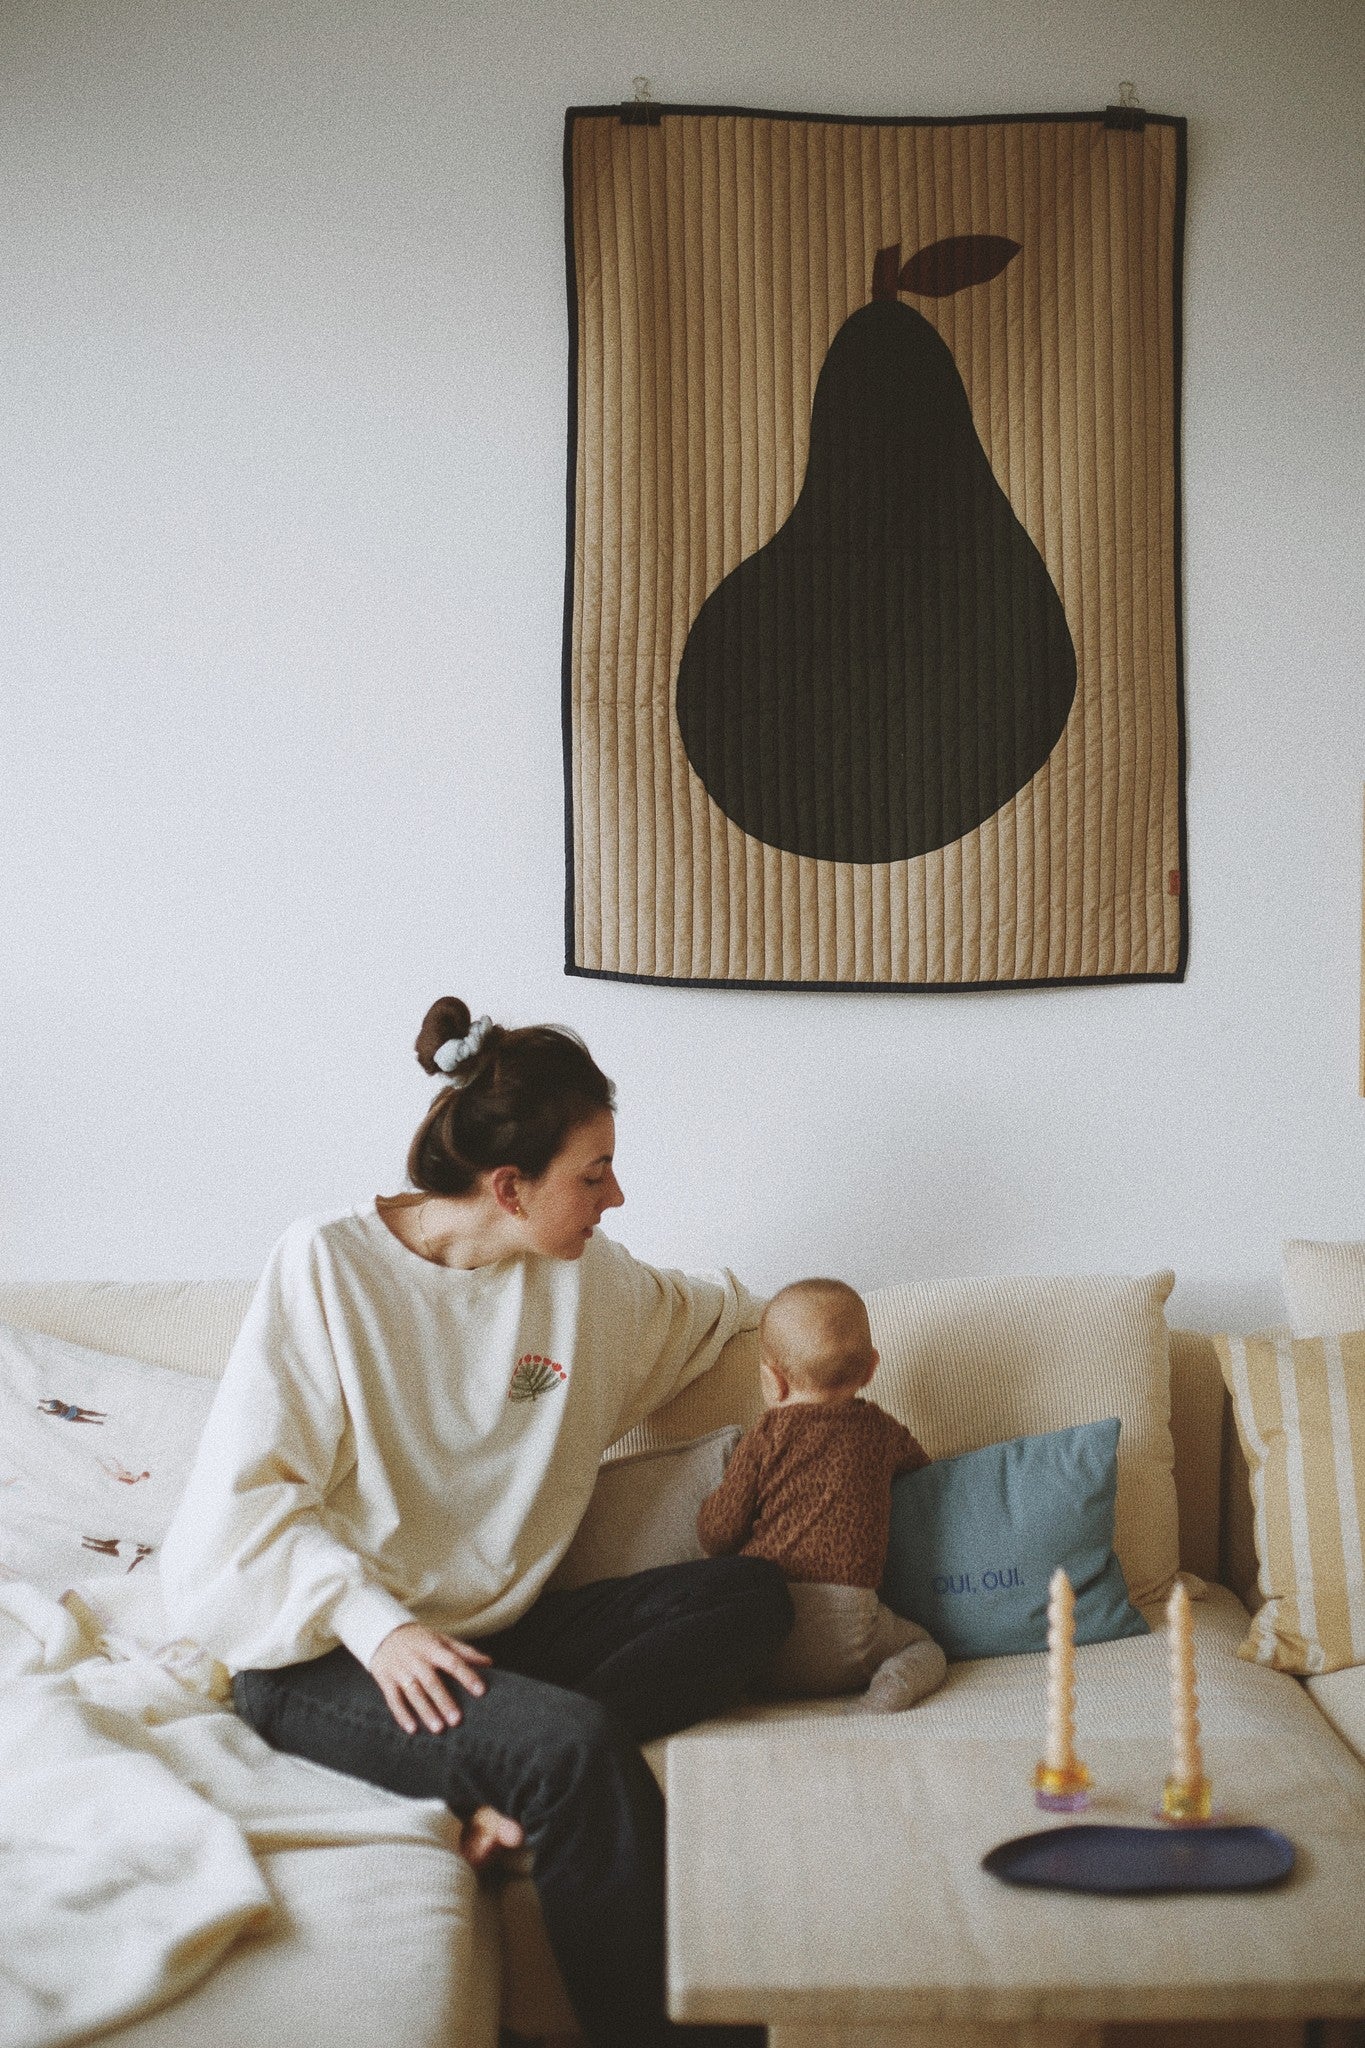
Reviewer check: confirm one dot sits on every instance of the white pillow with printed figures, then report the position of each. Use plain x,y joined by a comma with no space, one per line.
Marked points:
966,1363
95,1452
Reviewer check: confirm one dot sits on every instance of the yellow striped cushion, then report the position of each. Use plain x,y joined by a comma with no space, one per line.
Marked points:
1300,1409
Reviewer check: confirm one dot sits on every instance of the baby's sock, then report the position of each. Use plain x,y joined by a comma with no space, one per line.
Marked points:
907,1676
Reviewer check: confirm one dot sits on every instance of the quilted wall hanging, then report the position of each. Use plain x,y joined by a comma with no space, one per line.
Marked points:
872,661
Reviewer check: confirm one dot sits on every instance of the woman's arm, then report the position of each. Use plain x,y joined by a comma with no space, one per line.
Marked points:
673,1326
250,1567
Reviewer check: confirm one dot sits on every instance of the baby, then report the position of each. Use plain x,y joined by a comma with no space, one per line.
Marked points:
809,1486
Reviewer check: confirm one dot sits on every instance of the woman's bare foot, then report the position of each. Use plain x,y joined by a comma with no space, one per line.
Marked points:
489,1834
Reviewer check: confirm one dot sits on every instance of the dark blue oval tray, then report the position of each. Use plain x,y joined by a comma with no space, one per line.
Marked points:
1092,1857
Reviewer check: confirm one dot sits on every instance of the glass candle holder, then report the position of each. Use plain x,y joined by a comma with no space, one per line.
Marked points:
1187,1804
1062,1791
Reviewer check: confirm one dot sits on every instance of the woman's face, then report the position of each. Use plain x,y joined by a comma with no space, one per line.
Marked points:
566,1204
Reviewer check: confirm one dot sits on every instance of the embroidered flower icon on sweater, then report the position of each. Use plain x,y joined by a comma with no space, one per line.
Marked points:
534,1375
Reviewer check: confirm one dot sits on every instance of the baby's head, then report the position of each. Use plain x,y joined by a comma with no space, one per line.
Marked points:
815,1343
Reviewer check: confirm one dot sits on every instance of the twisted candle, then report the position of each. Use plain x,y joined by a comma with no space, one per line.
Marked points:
1188,1796
1061,1673
1189,1757
1061,1783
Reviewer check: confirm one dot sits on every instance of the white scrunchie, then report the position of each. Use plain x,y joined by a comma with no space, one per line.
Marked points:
456,1050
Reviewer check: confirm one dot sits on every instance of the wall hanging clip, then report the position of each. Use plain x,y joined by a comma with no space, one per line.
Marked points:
1128,113
640,112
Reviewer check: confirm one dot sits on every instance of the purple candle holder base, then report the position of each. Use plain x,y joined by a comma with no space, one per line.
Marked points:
1063,1802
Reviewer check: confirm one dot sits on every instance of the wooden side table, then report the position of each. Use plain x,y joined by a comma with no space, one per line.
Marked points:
829,1885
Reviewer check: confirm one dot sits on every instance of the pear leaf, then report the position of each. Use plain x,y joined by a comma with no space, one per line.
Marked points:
884,269
954,263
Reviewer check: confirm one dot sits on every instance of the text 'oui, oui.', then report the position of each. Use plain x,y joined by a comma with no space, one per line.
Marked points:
985,1582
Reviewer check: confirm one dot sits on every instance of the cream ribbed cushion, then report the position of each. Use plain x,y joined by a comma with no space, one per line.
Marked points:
644,1509
1299,1404
1324,1284
189,1325
972,1362
1341,1696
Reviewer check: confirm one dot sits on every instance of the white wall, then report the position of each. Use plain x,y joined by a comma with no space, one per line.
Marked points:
282,495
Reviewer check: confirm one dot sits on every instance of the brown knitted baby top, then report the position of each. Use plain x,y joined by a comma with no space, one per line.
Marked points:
809,1486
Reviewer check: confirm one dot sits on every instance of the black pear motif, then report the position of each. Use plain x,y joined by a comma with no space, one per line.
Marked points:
895,664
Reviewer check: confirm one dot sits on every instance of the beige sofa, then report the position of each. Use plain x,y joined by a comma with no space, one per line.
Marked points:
363,1949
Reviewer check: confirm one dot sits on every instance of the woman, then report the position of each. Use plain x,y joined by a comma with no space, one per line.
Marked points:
403,1445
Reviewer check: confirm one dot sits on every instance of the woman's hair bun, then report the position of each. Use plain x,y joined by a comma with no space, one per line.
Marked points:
447,1018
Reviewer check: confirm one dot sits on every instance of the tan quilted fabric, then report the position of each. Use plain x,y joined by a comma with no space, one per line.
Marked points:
715,258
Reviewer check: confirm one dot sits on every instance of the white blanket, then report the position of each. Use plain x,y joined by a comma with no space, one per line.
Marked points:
130,1805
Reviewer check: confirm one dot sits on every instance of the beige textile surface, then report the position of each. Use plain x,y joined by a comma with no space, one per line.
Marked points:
1199,1420
1324,1284
1299,1404
1198,1407
188,1324
871,1907
643,1510
192,1325
376,1944
1240,2033
1340,1695
1122,1690
715,256
972,1362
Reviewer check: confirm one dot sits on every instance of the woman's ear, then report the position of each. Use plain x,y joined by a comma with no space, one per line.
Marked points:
505,1183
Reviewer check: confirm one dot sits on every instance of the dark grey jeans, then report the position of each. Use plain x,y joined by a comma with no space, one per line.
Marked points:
576,1685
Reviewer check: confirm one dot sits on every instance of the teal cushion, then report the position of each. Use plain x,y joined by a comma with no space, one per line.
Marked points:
975,1540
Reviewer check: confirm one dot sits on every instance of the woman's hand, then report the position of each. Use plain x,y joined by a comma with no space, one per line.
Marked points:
407,1668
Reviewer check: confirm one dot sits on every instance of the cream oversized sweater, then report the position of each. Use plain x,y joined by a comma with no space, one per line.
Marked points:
395,1440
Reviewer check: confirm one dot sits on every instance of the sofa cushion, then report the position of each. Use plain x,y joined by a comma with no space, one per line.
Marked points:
1324,1284
1341,1697
1299,1404
975,1540
643,1510
372,1943
189,1325
729,1393
95,1452
972,1362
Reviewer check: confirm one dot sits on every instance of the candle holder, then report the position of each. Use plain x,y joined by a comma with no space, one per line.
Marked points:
1064,1790
1187,1805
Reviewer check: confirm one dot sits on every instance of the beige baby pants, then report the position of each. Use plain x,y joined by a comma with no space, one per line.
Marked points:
845,1640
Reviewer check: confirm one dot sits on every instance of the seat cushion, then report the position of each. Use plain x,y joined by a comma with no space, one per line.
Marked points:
389,1942
1340,1695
